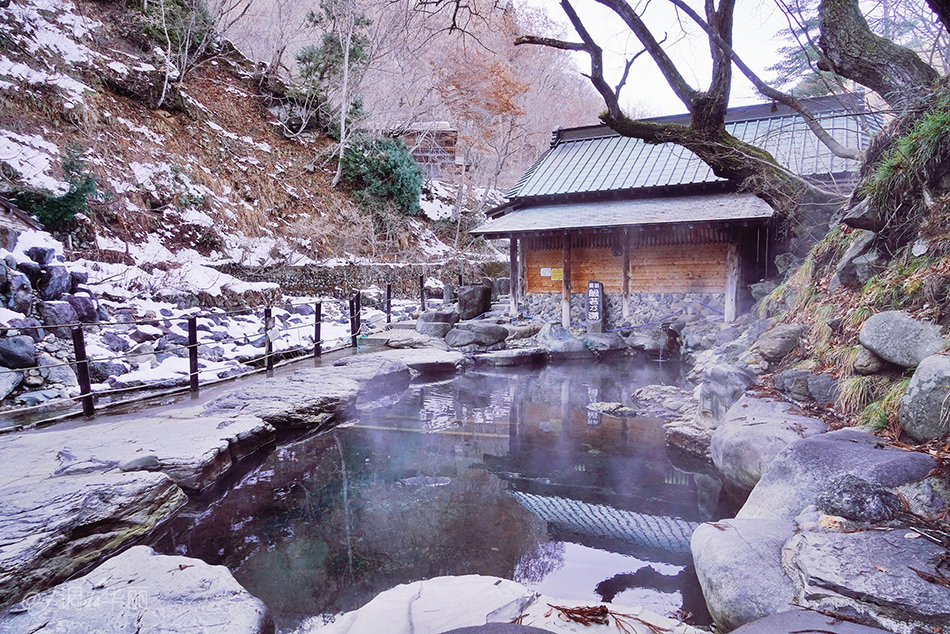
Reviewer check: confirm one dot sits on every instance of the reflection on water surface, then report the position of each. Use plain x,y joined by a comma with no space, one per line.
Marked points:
494,473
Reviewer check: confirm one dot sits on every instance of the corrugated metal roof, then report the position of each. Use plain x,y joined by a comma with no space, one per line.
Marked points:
629,213
595,160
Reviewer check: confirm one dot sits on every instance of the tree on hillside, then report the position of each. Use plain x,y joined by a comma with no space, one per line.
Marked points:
848,48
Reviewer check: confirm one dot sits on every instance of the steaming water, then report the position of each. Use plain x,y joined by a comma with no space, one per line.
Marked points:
495,473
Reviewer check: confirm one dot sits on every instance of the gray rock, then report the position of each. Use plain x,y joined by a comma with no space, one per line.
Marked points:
400,339
433,329
848,272
512,357
722,386
100,371
55,283
861,215
689,436
17,352
149,462
738,563
39,397
54,527
375,373
428,361
21,293
30,327
775,343
9,382
77,278
54,372
57,316
653,340
114,342
866,362
869,575
32,270
142,355
804,386
804,622
855,499
523,331
139,335
897,337
753,432
503,285
802,470
41,255
925,413
560,342
85,308
479,334
437,323
474,301
142,591
603,342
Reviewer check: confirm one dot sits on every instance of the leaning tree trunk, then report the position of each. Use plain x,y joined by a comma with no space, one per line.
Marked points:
942,9
851,50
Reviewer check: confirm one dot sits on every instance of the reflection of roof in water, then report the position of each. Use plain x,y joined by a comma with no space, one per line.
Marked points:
597,520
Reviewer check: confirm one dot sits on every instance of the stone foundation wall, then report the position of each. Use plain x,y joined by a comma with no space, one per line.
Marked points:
644,307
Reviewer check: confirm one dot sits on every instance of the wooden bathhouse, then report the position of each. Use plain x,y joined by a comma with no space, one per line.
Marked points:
652,223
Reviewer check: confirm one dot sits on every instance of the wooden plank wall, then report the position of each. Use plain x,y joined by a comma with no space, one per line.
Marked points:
682,268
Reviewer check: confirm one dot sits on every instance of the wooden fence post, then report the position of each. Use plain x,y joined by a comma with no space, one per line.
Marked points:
389,303
193,353
268,344
353,342
422,293
317,319
82,373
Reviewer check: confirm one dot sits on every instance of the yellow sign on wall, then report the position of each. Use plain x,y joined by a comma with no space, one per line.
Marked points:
557,275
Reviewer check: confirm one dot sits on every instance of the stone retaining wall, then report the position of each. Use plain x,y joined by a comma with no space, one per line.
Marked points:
644,307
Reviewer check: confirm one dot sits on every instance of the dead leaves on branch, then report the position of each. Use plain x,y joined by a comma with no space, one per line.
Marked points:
599,615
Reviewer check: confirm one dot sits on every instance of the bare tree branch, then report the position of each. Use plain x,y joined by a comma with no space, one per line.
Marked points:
784,98
626,68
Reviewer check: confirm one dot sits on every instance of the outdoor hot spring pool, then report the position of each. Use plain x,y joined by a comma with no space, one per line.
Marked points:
503,473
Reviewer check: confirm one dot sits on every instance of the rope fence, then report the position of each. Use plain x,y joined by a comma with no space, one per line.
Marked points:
280,338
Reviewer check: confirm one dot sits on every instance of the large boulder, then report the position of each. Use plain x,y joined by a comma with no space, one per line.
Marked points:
436,323
428,361
55,283
558,341
778,341
58,317
925,412
42,255
739,566
722,386
474,300
871,575
862,215
654,340
804,468
29,326
85,308
897,337
476,334
753,432
142,591
17,352
858,500
804,622
804,386
52,528
55,372
21,293
9,382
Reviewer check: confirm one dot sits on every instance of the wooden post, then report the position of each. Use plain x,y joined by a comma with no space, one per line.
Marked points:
522,273
193,354
513,275
358,303
732,282
268,344
566,282
389,303
82,373
353,342
422,293
626,274
317,327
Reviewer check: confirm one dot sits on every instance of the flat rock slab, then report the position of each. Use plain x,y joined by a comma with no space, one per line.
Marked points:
445,604
511,357
427,361
194,451
143,592
870,574
376,374
305,399
803,622
738,563
400,339
804,468
752,433
53,528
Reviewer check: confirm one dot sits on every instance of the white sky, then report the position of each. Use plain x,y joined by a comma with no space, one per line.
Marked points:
756,22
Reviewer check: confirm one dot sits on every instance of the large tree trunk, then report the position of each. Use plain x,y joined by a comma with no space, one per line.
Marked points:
853,51
942,9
